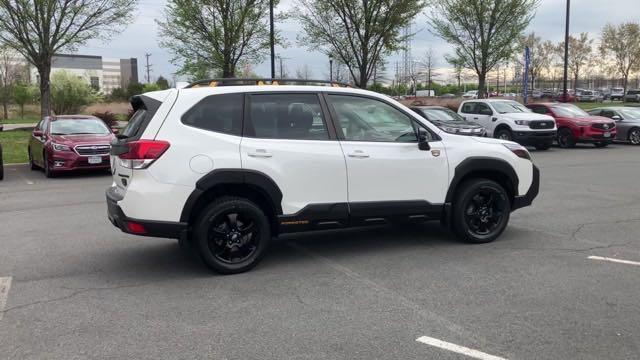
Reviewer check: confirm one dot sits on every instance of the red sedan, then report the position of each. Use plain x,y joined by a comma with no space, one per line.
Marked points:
577,126
70,142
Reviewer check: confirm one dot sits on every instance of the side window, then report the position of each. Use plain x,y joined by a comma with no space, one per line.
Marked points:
39,126
483,109
607,113
595,112
219,113
365,119
44,124
286,116
539,110
468,108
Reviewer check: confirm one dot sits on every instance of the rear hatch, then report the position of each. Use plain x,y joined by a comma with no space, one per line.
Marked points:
145,108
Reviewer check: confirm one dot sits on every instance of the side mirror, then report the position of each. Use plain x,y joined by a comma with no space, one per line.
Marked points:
37,133
616,117
115,131
423,140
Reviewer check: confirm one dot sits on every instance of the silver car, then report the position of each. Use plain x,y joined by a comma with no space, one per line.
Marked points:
632,96
627,121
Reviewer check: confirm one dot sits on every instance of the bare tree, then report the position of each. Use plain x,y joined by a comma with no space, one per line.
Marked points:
216,35
540,54
580,54
38,29
304,72
357,32
428,63
482,32
621,45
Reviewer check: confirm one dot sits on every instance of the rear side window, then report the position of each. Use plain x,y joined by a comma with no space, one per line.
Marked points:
468,108
145,108
218,113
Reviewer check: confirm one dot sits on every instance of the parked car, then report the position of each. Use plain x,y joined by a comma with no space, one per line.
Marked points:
616,93
590,96
70,142
1,164
225,175
627,122
510,120
471,94
536,94
449,121
577,126
548,93
569,97
632,96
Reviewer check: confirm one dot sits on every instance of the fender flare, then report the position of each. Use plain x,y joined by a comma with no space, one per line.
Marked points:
483,164
255,179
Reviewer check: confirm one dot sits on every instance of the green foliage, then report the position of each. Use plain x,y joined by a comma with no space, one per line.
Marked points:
24,94
215,35
481,31
134,88
108,117
69,93
358,33
150,87
162,83
118,94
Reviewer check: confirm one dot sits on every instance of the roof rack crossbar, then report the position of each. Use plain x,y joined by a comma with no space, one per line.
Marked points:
261,81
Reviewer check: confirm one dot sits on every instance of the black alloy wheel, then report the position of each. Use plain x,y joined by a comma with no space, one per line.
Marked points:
634,136
232,235
565,139
481,211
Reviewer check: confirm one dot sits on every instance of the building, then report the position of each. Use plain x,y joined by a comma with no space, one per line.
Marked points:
105,74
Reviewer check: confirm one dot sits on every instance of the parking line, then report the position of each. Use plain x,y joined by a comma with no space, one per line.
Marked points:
5,284
457,348
628,262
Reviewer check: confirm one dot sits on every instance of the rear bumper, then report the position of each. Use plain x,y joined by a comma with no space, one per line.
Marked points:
161,229
534,189
545,137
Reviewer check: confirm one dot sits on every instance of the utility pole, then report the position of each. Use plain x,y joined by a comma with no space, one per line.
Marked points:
148,66
272,41
566,54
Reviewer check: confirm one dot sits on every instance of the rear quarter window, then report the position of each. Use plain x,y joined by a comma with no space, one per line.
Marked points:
218,113
468,108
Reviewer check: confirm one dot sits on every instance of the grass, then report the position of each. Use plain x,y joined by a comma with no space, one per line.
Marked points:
593,105
28,119
14,145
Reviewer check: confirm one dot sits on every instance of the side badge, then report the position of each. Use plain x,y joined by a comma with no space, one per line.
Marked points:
435,153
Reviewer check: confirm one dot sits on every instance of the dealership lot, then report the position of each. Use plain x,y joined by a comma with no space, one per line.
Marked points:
76,287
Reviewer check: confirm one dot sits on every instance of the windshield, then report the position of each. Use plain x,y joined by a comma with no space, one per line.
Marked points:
630,113
441,115
79,126
569,111
509,107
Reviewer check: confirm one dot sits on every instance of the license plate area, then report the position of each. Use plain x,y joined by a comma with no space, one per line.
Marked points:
607,134
93,160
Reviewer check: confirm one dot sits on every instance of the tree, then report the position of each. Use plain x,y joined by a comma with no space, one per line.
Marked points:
458,66
483,32
580,54
304,72
621,44
38,29
162,83
10,72
69,93
215,35
23,94
357,32
428,63
540,55
134,88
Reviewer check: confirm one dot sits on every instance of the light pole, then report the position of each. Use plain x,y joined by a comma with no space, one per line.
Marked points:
272,41
330,68
566,54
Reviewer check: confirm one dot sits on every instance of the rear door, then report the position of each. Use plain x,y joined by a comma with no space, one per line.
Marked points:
288,138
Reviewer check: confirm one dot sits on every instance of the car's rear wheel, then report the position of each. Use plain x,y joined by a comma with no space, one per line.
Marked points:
481,211
634,136
565,139
32,165
232,235
504,134
48,172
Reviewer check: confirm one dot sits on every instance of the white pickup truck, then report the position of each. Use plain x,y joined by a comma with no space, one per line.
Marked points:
510,120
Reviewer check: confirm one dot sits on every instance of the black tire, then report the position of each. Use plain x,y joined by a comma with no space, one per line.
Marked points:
1,165
565,139
634,136
480,211
543,146
601,144
47,168
504,134
32,165
227,250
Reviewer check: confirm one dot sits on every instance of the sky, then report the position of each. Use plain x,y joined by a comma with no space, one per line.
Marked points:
141,36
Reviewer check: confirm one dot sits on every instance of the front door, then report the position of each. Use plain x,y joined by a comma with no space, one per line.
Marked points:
387,172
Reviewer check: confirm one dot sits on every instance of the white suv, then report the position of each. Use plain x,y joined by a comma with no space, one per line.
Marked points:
510,120
225,168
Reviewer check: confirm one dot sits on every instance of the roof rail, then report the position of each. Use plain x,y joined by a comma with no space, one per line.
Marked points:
262,81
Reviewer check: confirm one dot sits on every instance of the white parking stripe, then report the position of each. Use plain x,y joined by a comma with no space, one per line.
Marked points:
457,348
628,262
5,284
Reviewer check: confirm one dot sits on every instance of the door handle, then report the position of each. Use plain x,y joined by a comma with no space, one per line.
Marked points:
358,154
475,118
260,153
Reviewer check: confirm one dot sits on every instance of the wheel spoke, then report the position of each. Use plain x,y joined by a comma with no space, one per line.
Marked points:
233,220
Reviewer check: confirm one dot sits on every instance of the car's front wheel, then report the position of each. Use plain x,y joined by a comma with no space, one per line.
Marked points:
634,136
565,138
504,134
232,235
48,172
481,211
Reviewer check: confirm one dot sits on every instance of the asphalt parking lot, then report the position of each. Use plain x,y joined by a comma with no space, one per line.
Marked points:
80,289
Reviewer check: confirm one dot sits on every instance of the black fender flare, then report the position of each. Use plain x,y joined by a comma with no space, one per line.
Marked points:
255,179
481,164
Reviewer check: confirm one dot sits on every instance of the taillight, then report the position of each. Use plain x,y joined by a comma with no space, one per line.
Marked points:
140,154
